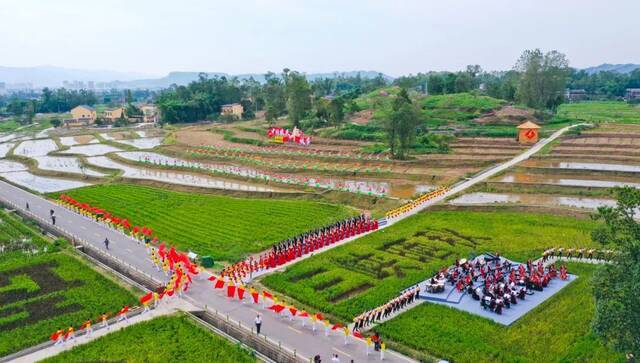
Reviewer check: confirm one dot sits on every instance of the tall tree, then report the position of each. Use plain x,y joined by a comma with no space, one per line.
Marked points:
401,125
298,96
543,78
616,286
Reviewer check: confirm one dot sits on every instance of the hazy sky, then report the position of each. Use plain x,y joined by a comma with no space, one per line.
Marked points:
241,36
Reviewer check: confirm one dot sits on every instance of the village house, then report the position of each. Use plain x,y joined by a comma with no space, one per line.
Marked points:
149,113
234,109
113,114
82,115
572,95
632,94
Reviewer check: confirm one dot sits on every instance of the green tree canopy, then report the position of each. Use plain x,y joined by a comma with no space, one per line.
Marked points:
543,78
617,285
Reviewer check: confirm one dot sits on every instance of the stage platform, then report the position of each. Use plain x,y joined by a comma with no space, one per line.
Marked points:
463,301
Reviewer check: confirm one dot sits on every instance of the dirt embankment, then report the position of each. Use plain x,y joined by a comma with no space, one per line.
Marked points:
508,115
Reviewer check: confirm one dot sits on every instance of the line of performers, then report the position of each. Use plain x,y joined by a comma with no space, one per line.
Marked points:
367,318
580,253
502,283
295,247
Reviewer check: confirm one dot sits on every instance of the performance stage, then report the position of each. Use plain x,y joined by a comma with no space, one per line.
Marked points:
465,302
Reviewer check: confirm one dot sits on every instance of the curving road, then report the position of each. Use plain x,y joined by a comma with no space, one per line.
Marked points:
292,335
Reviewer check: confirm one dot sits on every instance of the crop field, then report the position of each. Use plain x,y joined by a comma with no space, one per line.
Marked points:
223,227
49,291
170,338
601,111
368,272
556,331
16,237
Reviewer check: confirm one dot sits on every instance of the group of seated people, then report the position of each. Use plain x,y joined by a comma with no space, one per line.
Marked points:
494,281
579,253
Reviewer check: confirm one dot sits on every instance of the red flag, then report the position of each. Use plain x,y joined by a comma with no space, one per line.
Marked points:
319,316
293,311
211,278
240,293
357,334
255,297
277,308
336,326
231,290
170,292
123,310
147,297
56,335
267,295
219,284
304,314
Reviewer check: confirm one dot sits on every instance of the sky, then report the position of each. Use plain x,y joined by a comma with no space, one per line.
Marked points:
253,36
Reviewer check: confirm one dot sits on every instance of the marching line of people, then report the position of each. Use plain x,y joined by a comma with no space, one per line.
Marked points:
393,306
590,254
415,203
298,246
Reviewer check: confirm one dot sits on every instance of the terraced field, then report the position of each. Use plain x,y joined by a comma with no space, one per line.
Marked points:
363,274
173,338
223,227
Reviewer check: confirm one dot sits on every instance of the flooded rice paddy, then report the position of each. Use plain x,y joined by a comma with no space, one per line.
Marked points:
91,150
582,166
564,181
64,164
4,148
175,177
354,186
8,165
32,148
39,183
143,143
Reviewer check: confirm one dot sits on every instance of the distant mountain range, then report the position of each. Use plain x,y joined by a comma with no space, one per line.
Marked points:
619,68
49,76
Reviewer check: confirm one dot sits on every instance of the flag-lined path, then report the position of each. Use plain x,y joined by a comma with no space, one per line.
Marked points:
291,334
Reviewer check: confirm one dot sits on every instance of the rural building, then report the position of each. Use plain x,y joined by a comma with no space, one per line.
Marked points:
114,114
234,109
150,113
81,116
632,94
528,133
573,95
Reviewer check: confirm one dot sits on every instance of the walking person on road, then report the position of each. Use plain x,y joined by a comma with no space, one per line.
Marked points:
53,219
106,243
258,323
27,205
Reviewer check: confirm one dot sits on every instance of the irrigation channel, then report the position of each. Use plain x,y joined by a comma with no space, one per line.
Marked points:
281,332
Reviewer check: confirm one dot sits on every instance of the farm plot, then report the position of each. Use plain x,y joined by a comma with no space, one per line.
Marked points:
32,148
619,112
64,164
91,150
223,227
46,291
170,338
41,184
556,331
365,273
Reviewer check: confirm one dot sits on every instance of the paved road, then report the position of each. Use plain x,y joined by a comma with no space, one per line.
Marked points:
292,335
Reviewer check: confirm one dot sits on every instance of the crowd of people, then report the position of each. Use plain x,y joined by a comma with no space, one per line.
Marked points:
495,282
578,253
415,203
300,245
382,312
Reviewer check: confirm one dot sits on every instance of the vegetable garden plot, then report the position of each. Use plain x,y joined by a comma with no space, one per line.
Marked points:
377,267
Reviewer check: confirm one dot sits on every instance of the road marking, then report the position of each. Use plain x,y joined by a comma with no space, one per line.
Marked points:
295,330
83,227
341,352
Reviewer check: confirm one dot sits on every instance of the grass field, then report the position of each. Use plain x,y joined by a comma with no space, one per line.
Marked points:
164,339
601,111
556,331
369,271
16,237
223,227
42,293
